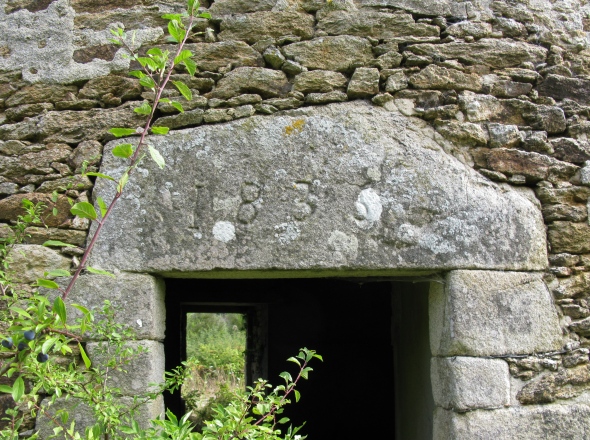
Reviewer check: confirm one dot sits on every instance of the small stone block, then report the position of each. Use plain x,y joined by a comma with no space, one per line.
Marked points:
468,383
485,313
364,83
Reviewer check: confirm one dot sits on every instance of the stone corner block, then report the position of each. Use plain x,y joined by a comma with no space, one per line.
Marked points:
483,313
137,299
143,369
523,423
84,417
468,383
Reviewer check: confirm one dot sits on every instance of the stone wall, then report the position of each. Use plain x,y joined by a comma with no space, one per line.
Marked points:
500,87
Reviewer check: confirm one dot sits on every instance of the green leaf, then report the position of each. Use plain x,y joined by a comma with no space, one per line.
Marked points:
48,344
165,100
120,132
5,389
18,389
284,420
297,395
143,109
57,243
184,55
99,271
183,89
147,62
124,150
191,66
48,284
100,175
60,308
137,73
160,130
174,30
172,17
295,360
206,15
177,106
84,356
83,309
57,273
155,51
157,157
84,210
102,205
190,6
123,181
147,82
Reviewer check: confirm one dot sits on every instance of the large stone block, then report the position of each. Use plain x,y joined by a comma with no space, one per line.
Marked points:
482,313
346,187
28,262
83,415
260,25
523,423
137,300
468,383
139,372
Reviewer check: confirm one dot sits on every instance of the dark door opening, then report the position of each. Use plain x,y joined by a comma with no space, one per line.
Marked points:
364,331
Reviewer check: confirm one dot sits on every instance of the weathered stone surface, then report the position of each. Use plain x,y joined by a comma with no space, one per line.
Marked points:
11,208
364,83
30,261
144,369
38,93
467,383
435,77
570,150
379,25
259,25
380,191
480,313
495,53
267,83
533,166
341,53
524,423
84,415
569,237
468,28
226,7
486,108
273,56
73,127
426,7
564,384
138,300
503,135
188,118
506,88
319,81
212,56
35,163
112,86
20,112
36,235
326,98
196,102
89,151
464,133
396,81
561,87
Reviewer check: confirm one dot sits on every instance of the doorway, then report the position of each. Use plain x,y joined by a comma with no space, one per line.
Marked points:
373,335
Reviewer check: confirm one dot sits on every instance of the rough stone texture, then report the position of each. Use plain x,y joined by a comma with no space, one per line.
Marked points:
364,83
533,166
564,384
375,191
259,25
265,82
530,423
84,416
434,77
341,53
212,56
467,383
569,237
480,313
319,81
30,261
495,53
560,87
11,208
379,25
138,301
144,368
